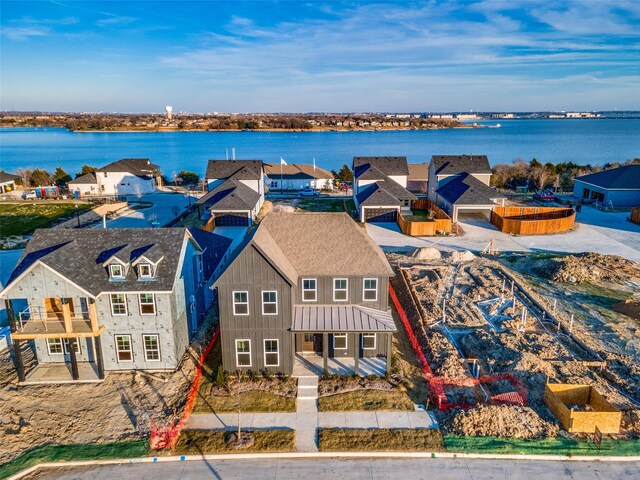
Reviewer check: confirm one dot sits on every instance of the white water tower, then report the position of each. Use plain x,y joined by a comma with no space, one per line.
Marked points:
169,110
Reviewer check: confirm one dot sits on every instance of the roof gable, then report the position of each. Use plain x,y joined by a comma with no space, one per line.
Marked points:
238,169
456,164
368,168
626,177
465,189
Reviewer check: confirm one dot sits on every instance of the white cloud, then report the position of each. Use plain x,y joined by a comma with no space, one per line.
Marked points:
20,34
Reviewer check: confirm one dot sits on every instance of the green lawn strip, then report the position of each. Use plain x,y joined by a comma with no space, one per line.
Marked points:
326,205
252,401
379,440
24,219
193,442
89,451
547,446
362,400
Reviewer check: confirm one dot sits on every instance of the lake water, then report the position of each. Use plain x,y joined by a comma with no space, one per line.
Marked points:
580,141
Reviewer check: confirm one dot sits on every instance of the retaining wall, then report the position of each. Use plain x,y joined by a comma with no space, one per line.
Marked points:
533,220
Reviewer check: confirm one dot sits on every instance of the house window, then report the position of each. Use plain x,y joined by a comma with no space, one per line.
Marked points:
340,290
271,354
54,346
370,289
124,350
116,270
151,348
368,341
66,346
118,304
270,303
274,184
241,303
147,304
309,290
144,270
243,353
339,341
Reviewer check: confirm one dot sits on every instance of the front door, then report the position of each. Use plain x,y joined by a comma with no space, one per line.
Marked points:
308,343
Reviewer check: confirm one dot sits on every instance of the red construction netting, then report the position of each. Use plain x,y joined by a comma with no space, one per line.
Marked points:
437,385
167,436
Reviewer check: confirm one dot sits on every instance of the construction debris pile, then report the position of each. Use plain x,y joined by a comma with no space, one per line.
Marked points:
588,267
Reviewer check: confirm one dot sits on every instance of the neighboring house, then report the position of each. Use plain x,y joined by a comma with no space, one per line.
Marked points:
460,184
618,187
291,291
380,188
418,177
8,181
297,176
236,191
119,299
129,176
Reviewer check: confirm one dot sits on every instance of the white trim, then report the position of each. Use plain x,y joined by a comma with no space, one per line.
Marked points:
233,301
315,290
126,307
153,295
368,334
66,350
243,353
144,347
364,290
59,341
277,352
269,303
346,290
346,341
145,264
28,270
112,275
115,340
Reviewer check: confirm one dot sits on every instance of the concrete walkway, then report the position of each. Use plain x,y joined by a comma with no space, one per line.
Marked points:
307,414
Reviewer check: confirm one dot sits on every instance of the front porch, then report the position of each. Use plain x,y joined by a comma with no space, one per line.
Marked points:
48,373
312,364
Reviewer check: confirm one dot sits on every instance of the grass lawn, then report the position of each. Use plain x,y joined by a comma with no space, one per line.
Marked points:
56,453
326,204
363,400
194,442
379,440
23,219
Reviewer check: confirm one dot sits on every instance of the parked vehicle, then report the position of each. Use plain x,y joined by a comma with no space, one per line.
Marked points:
544,196
308,192
29,195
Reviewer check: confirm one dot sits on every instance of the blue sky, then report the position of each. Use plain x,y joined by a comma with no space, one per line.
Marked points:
297,56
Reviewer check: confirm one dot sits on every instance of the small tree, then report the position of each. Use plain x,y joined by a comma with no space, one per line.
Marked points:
86,169
40,177
188,178
60,177
345,174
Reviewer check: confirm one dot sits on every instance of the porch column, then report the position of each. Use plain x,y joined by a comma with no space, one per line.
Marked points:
389,350
325,350
16,343
356,357
99,360
74,361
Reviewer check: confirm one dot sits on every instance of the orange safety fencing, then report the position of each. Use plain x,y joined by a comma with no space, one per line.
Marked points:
167,436
437,384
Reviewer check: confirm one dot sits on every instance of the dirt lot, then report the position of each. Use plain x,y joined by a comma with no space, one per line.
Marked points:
481,322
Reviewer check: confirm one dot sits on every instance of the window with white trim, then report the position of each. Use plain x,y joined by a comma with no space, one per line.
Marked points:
147,303
270,302
309,289
116,270
151,347
370,289
118,304
339,341
271,353
124,349
368,341
340,289
145,271
67,349
54,346
241,303
243,353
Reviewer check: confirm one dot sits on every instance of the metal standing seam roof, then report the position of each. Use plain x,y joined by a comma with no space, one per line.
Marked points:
341,318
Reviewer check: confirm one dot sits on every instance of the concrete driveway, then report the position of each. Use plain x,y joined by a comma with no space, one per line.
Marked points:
163,211
596,231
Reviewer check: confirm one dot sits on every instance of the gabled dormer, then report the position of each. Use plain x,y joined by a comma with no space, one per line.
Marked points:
116,268
146,262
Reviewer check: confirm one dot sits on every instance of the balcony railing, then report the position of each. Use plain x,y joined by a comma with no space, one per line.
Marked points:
39,321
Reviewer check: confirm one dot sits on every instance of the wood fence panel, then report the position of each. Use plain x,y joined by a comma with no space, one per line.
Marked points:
533,220
635,215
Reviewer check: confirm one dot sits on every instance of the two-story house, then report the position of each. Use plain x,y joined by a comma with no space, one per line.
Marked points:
460,183
305,284
380,188
115,299
236,191
129,176
297,176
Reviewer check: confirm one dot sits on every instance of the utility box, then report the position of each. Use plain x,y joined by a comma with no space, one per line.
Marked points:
580,408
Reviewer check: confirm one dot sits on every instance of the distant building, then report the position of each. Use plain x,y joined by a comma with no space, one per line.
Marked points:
297,176
129,176
8,181
618,187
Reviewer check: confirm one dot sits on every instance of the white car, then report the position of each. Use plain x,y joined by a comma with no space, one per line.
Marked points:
29,195
308,192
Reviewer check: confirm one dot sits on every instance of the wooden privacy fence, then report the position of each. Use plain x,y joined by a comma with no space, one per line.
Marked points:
635,215
533,220
415,227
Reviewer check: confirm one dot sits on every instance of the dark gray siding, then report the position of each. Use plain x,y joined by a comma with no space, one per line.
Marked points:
354,344
325,292
251,272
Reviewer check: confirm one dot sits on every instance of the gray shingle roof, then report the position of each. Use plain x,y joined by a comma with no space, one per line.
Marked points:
79,255
369,168
295,171
338,318
385,193
455,164
213,247
238,169
418,171
626,177
230,195
8,177
136,166
87,178
466,189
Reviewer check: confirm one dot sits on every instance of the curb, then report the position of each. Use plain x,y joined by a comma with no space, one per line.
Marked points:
321,455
